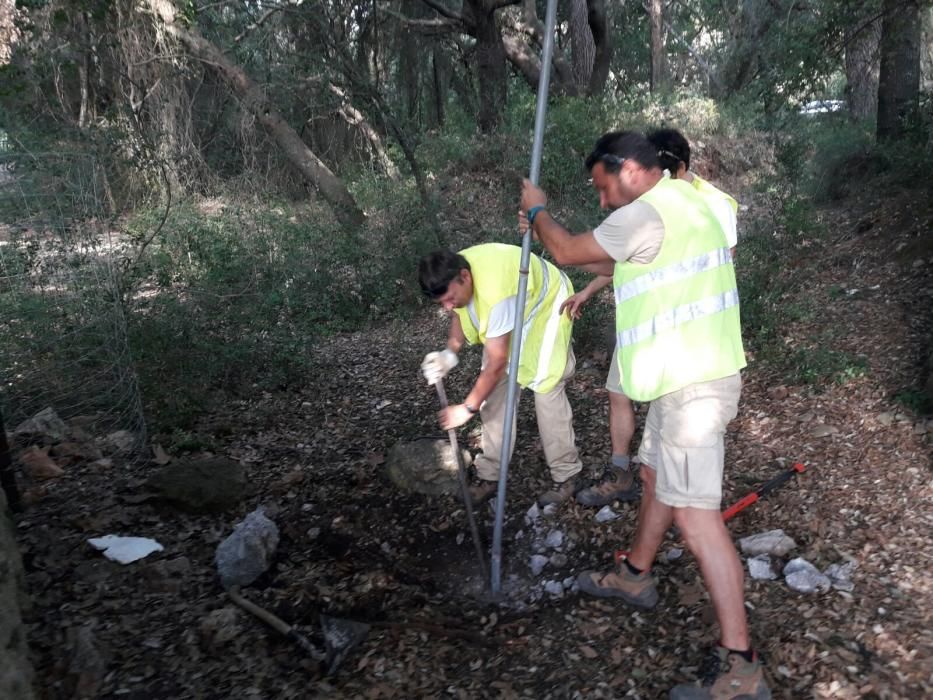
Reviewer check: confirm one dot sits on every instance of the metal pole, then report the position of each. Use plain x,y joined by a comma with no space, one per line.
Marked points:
536,149
464,487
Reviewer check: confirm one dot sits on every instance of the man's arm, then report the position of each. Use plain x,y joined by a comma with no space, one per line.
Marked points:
567,249
455,336
574,303
496,356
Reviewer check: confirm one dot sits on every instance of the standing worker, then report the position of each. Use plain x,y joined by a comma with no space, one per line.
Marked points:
618,482
479,285
679,347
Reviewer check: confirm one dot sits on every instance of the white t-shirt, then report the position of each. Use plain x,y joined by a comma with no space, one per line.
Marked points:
632,233
501,317
723,211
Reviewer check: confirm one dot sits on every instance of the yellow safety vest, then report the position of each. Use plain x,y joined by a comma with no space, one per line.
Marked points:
545,331
677,318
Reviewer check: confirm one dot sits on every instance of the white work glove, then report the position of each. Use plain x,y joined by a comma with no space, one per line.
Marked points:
436,365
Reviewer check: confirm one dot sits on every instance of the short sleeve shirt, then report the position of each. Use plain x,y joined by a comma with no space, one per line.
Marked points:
501,317
632,233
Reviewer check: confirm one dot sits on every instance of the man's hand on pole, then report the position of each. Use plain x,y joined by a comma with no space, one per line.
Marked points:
436,365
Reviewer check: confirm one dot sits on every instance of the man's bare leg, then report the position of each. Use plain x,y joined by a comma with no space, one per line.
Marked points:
621,423
654,520
709,541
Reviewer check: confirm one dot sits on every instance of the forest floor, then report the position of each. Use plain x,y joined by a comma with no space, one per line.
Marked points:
354,547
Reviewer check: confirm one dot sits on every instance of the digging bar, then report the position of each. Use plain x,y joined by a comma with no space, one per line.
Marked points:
511,398
464,487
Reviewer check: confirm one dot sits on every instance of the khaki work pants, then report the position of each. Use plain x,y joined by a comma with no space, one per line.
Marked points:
555,426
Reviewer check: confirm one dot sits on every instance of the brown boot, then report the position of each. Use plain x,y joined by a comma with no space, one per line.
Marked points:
559,492
482,490
726,675
616,485
635,589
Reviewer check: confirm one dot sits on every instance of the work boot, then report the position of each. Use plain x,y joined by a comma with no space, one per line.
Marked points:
616,485
726,675
481,491
639,590
559,492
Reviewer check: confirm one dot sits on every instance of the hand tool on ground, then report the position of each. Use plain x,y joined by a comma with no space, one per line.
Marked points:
536,150
464,486
764,490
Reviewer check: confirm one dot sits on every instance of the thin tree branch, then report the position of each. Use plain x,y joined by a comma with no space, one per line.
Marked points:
440,8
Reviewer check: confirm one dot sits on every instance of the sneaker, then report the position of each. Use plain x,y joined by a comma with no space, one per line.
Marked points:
559,492
726,675
616,485
639,590
482,490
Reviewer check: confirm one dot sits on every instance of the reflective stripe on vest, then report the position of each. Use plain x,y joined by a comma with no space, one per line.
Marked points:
678,316
672,273
550,334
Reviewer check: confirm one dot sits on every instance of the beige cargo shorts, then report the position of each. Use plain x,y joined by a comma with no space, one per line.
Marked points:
683,442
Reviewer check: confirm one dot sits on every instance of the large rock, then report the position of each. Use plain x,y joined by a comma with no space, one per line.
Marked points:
425,466
208,485
15,669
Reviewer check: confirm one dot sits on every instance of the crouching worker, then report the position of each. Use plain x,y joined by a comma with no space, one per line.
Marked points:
479,285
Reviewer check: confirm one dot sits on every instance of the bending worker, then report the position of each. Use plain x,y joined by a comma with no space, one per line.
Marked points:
618,482
479,286
680,348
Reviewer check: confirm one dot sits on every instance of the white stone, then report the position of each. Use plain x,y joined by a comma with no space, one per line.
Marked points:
605,514
538,562
554,588
125,549
802,576
771,542
759,567
533,514
555,538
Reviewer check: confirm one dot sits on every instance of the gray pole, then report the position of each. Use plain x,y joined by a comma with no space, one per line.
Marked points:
506,453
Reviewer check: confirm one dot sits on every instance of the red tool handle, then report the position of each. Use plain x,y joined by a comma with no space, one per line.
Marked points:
761,491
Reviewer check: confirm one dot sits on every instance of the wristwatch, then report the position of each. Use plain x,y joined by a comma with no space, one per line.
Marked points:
469,408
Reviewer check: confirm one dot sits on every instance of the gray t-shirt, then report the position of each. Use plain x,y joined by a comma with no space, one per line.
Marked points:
632,233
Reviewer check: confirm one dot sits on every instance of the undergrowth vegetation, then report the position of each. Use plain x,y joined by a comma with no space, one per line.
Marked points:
228,291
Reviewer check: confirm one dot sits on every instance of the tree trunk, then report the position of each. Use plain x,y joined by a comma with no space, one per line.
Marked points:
254,99
582,45
490,64
352,116
440,84
599,27
899,78
656,20
7,475
862,68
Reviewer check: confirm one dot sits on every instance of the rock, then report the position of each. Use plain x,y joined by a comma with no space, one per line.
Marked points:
558,560
38,464
538,562
554,588
606,514
209,485
673,554
248,551
555,538
778,393
87,668
16,674
533,514
220,627
76,452
821,430
802,576
759,567
886,418
840,575
771,542
425,466
121,441
45,423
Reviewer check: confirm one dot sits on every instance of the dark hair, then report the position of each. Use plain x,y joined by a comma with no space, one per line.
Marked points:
438,269
617,146
672,148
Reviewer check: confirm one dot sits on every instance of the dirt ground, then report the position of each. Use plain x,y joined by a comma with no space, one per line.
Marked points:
353,547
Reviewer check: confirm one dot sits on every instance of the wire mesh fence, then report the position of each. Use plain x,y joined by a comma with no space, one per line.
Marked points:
63,331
